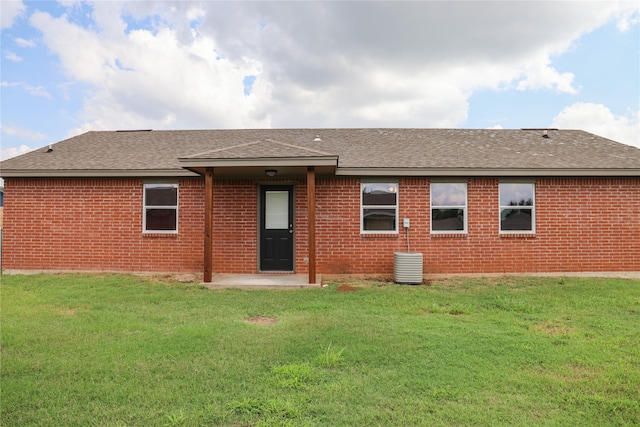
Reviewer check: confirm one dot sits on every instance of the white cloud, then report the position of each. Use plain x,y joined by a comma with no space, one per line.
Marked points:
316,64
22,133
538,74
38,91
628,16
9,152
10,10
147,79
12,56
33,90
598,119
25,43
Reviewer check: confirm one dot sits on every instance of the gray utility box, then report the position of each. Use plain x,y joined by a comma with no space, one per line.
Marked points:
407,267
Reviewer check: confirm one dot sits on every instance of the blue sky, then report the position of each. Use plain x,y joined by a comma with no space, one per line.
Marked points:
69,67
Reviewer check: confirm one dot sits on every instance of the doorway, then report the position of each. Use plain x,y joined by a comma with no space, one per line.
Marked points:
276,228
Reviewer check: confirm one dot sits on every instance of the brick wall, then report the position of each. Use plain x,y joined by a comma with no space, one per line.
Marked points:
582,225
235,233
235,225
96,224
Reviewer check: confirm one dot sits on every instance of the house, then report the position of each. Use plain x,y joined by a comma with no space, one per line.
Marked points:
325,201
1,210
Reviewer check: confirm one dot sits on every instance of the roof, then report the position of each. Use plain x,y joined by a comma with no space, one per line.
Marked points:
408,152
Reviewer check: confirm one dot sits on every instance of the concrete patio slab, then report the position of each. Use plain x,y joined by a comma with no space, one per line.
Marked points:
261,281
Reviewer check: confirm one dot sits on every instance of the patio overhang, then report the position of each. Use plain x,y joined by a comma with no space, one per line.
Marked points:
269,168
257,167
252,159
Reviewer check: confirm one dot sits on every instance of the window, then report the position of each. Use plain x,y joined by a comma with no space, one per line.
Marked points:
379,209
160,208
448,207
517,208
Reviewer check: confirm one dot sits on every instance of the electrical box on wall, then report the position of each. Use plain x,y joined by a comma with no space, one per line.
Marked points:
405,222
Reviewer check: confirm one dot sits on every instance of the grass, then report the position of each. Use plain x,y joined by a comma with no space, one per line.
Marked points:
112,350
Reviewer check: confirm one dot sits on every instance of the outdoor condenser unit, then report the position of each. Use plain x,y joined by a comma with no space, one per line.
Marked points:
407,268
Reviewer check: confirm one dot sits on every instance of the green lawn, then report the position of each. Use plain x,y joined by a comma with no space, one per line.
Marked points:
114,350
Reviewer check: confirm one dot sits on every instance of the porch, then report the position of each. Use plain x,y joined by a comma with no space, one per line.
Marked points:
276,247
262,281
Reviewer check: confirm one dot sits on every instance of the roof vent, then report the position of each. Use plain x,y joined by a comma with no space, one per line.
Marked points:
317,139
544,131
50,149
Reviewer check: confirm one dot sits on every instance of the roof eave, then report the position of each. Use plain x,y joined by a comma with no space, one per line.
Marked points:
471,172
92,173
190,166
260,162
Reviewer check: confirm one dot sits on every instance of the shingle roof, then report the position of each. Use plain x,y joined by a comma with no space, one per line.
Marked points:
267,148
397,151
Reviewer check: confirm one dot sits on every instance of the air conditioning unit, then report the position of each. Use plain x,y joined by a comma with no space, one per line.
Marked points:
407,268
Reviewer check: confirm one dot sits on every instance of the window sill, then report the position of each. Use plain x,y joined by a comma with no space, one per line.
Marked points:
379,235
517,235
449,235
160,235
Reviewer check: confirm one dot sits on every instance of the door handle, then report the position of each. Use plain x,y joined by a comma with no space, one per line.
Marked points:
290,228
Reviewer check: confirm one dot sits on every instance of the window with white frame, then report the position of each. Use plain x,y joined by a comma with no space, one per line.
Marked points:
379,207
160,208
517,207
448,207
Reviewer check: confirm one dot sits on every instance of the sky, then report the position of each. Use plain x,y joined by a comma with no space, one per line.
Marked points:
69,67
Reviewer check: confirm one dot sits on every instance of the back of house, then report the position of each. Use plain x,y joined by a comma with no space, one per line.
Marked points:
325,201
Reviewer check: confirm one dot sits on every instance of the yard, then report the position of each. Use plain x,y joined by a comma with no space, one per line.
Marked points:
116,350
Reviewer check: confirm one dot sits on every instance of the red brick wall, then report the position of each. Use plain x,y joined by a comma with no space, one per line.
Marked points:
96,224
235,233
582,225
77,224
235,225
